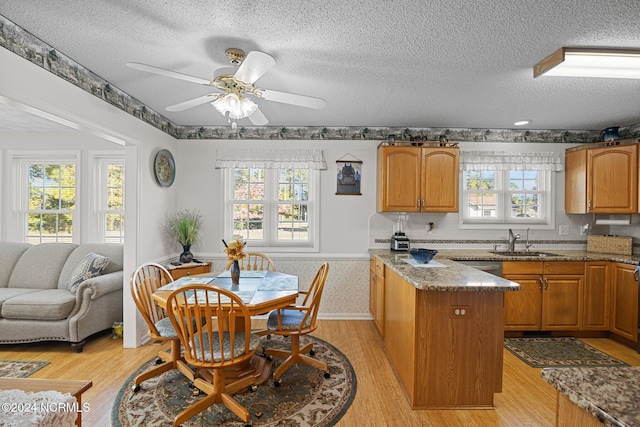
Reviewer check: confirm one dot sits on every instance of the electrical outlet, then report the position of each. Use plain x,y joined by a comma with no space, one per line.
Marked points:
564,230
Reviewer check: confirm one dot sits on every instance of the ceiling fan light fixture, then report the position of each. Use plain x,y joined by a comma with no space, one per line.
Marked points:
236,106
591,62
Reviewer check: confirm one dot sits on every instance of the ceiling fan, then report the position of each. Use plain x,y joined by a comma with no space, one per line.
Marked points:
235,84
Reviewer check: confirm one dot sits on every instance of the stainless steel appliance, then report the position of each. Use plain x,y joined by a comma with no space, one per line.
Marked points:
399,240
493,267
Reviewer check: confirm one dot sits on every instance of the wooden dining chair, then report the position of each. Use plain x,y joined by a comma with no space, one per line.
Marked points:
255,261
295,321
145,280
208,321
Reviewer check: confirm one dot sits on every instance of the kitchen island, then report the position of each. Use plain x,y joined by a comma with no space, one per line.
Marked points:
443,331
591,397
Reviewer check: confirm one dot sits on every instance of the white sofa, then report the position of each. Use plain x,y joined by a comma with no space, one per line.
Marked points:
39,301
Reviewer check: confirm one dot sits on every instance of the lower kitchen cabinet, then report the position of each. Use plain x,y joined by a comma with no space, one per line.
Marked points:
624,301
596,296
376,293
550,296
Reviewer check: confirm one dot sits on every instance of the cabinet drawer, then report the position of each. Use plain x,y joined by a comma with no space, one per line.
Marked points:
521,267
562,267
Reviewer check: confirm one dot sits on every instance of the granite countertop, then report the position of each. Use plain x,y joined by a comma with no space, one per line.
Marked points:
452,276
554,255
610,394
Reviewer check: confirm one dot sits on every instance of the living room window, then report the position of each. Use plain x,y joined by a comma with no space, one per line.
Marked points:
109,197
271,198
47,198
507,188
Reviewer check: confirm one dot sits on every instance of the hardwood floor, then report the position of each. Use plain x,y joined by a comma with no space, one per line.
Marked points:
526,400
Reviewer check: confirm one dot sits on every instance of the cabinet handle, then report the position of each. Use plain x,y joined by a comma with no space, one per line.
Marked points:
635,274
546,284
540,285
589,205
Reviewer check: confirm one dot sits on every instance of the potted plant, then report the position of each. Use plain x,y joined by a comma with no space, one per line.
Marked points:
184,228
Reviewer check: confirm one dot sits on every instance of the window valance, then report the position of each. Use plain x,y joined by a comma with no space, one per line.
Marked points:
270,159
501,160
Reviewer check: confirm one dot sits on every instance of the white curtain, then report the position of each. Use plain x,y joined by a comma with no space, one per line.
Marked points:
501,160
270,159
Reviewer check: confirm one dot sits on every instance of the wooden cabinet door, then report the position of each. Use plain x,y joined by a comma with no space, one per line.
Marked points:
575,182
562,301
612,181
624,301
595,315
523,308
398,179
439,179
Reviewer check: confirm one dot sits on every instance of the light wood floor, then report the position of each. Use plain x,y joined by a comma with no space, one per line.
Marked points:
526,400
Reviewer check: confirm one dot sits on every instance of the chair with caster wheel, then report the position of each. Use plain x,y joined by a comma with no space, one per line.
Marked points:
295,321
146,279
219,343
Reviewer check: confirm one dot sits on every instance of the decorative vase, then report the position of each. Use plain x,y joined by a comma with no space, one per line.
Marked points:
186,256
611,134
235,273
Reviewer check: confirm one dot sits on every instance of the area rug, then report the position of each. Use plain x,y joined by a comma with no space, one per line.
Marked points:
558,352
20,368
305,397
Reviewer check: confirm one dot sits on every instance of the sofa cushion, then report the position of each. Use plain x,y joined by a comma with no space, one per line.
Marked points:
39,266
110,250
89,266
7,293
10,252
48,304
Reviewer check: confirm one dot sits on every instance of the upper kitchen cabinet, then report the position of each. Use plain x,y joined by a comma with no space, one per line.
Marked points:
601,178
417,179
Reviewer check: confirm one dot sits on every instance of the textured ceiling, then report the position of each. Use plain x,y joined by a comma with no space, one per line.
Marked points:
415,63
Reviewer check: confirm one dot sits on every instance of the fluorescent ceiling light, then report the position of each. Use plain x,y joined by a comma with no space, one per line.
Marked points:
522,123
591,62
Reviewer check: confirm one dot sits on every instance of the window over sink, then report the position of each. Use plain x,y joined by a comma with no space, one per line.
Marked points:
507,188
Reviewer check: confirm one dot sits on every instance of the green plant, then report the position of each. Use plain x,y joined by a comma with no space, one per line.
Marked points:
184,227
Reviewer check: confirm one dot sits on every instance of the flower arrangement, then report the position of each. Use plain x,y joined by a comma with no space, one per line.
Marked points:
235,248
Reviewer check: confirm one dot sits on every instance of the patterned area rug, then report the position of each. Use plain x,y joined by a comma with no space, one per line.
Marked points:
558,352
305,398
20,368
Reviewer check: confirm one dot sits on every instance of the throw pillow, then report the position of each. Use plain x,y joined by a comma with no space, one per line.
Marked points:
89,266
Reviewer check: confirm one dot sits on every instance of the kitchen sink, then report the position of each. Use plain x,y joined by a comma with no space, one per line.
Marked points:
524,253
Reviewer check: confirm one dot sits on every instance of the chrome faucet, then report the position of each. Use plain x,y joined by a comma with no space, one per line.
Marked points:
512,241
527,245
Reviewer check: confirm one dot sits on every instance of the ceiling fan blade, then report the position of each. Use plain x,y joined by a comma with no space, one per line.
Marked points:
292,98
257,118
193,102
167,73
254,66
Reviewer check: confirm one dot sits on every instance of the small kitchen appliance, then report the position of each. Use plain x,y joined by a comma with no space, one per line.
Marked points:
399,240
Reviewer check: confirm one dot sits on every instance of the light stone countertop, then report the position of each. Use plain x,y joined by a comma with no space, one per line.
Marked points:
558,255
610,394
453,277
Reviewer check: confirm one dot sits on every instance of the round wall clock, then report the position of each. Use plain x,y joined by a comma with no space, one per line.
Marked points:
164,168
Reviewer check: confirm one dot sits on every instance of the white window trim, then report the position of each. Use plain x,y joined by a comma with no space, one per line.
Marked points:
313,245
18,160
548,223
98,160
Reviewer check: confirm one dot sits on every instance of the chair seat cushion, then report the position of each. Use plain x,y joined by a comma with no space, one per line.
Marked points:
165,328
238,350
291,320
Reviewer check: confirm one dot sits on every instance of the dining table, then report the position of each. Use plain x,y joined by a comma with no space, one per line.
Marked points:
260,291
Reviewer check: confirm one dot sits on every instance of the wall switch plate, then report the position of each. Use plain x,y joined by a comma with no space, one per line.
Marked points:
564,230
